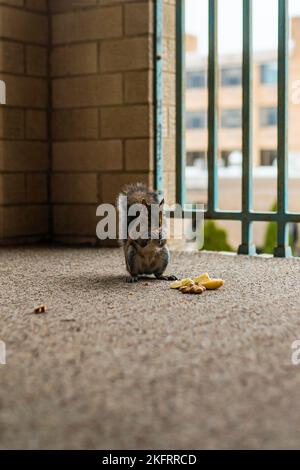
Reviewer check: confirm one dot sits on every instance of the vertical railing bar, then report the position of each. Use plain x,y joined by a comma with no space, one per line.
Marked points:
213,107
282,249
180,102
158,92
247,247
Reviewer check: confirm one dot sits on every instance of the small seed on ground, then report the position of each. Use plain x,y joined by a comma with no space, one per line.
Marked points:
40,309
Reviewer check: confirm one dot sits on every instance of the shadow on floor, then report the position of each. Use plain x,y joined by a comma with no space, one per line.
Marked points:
91,281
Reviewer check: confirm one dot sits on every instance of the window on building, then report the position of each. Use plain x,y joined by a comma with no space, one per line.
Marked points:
229,157
196,79
268,73
268,157
196,120
231,76
195,158
268,117
224,157
231,118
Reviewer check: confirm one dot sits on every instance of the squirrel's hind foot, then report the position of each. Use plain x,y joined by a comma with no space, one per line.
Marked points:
160,277
131,279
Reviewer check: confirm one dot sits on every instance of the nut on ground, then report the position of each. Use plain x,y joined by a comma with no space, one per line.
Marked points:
40,309
194,289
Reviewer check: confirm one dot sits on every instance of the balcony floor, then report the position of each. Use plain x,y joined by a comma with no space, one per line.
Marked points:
113,365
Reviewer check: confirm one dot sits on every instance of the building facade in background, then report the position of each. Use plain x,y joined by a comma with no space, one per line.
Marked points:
230,131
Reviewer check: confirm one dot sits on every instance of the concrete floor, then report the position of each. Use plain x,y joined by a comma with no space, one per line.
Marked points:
113,365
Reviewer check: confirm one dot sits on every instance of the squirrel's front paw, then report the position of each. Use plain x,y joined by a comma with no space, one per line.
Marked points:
131,279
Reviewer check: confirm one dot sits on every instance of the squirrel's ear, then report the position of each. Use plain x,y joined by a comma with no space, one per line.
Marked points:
162,203
144,202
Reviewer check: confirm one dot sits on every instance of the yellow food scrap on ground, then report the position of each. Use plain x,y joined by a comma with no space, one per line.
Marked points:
204,280
213,284
176,285
187,282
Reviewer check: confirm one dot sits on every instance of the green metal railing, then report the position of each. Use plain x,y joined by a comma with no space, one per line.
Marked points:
158,94
247,216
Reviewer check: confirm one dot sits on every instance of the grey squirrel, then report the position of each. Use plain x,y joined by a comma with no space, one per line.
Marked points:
148,254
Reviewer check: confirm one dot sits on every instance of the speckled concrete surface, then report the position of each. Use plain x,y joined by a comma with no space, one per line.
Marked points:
113,365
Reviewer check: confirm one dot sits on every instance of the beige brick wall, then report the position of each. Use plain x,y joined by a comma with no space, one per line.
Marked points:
24,151
102,92
96,63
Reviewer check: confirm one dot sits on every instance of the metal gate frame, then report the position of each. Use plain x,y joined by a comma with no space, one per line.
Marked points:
247,215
